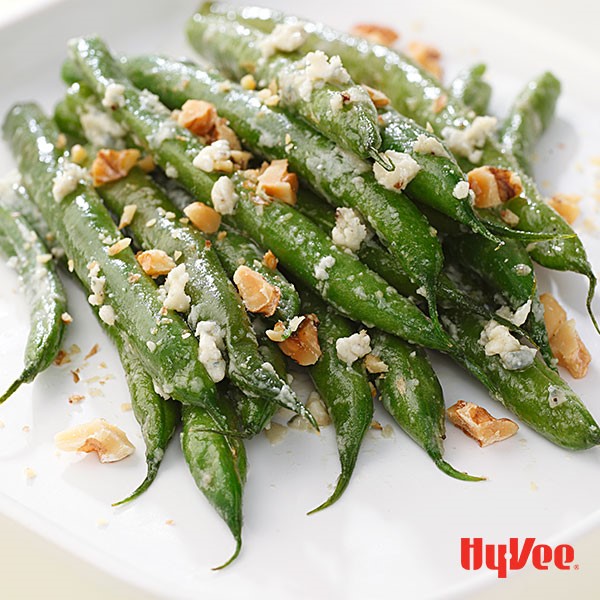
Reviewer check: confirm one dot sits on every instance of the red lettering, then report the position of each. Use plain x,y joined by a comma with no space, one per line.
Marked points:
496,560
476,546
541,557
519,559
564,554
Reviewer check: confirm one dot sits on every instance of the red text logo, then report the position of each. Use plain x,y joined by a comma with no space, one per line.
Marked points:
502,558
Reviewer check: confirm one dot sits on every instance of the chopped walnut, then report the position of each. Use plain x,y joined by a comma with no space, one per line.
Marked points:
375,365
566,205
155,262
119,246
248,82
112,165
270,260
439,103
378,98
147,164
203,217
222,131
258,294
493,186
376,34
109,442
509,217
427,57
79,155
318,410
62,358
477,423
276,182
303,344
197,116
127,215
565,343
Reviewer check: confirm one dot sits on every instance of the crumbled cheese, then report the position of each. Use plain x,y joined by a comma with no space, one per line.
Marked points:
67,180
217,154
404,171
171,172
351,348
519,316
556,396
107,314
461,190
284,38
210,346
223,196
522,269
321,267
42,259
312,72
426,144
349,231
319,411
175,283
97,283
336,102
113,96
167,130
151,345
101,129
151,102
497,339
469,141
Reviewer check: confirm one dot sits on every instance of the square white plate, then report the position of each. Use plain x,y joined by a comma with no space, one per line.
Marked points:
397,530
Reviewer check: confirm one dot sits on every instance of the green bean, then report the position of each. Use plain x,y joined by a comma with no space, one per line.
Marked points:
43,289
218,465
416,94
529,117
334,174
213,297
304,250
343,388
507,271
411,393
234,250
335,106
85,231
470,88
536,394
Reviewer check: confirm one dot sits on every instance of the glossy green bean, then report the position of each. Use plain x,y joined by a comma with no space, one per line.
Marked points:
470,88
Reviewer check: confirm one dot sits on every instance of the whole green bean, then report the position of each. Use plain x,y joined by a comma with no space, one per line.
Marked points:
343,388
416,94
470,88
411,393
536,394
218,465
213,297
85,231
334,174
529,117
334,105
304,250
44,291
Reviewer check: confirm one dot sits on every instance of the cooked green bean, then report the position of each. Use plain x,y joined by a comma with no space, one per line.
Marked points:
43,289
218,465
470,88
85,231
411,393
313,87
336,175
529,117
343,388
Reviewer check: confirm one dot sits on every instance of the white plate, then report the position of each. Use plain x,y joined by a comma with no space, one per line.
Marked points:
398,528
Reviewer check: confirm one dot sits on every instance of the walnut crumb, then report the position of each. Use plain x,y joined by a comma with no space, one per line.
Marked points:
112,165
270,260
303,344
155,262
127,215
426,56
566,205
376,34
119,246
203,217
493,186
258,294
276,182
66,318
76,398
93,350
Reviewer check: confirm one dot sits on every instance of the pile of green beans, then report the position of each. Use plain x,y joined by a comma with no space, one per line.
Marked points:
429,273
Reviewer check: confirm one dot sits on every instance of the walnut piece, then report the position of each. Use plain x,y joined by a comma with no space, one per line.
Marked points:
426,56
303,344
378,98
493,186
375,365
376,34
477,423
565,343
276,182
119,246
155,262
127,215
112,165
270,260
197,116
203,217
566,205
258,294
109,442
